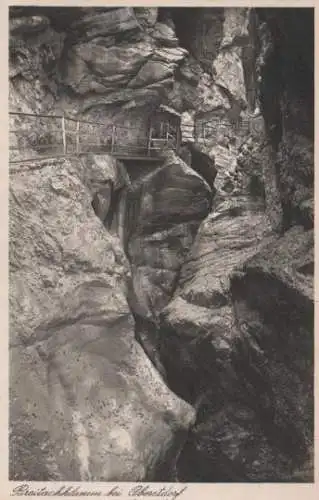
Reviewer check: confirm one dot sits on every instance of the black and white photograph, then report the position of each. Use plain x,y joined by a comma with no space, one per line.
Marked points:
161,244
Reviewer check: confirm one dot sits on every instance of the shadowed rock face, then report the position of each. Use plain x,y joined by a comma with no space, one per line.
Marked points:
255,387
287,97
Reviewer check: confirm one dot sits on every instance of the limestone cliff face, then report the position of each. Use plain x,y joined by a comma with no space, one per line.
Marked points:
129,282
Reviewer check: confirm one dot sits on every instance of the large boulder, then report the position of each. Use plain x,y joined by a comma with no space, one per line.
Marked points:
164,211
152,71
235,230
103,71
84,398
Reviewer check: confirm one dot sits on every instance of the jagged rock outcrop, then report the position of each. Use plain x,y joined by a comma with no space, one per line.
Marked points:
215,39
228,66
104,52
84,396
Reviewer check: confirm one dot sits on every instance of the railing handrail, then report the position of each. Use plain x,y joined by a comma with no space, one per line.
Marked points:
119,145
207,124
66,117
167,136
63,115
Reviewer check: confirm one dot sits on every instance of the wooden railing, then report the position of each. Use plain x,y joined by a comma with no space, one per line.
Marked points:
35,136
207,131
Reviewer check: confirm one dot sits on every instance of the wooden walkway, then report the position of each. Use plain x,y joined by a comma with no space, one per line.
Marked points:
39,136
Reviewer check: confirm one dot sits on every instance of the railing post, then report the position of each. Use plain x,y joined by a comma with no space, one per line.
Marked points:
78,136
178,138
113,138
63,135
149,141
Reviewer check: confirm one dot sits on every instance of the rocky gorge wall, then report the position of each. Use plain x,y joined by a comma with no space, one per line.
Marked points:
117,65
180,300
84,396
239,289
